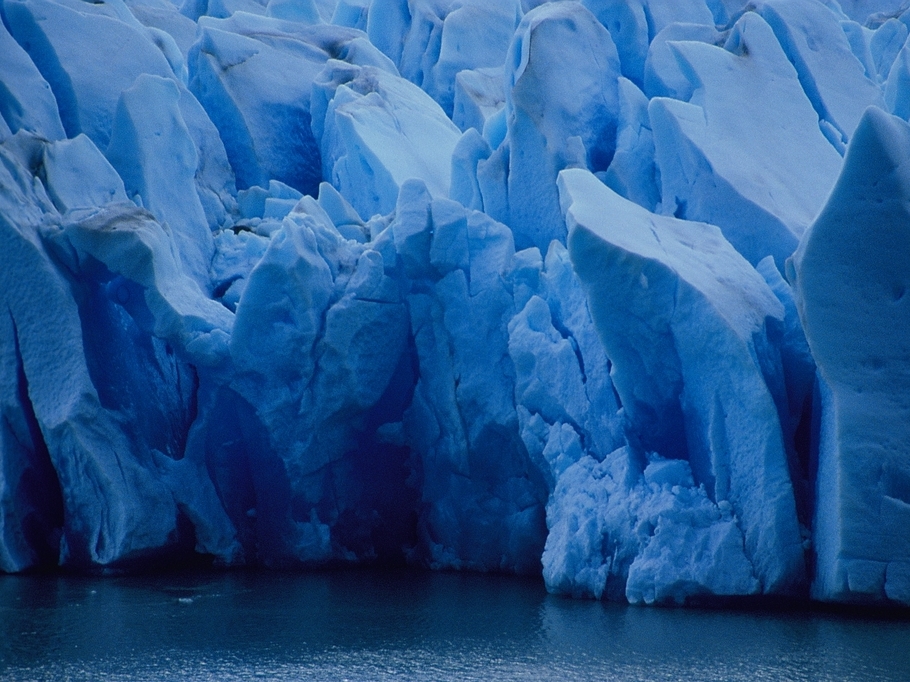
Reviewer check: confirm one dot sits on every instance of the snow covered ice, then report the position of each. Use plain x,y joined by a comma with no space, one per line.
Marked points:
608,292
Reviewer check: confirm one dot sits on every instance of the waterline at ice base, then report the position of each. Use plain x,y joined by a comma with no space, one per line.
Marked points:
611,293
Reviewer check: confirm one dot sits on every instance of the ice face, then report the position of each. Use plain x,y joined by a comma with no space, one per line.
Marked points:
686,345
809,35
101,438
885,44
633,26
759,174
557,116
78,175
257,94
896,85
633,173
151,149
87,56
376,131
431,41
27,100
850,275
467,285
479,95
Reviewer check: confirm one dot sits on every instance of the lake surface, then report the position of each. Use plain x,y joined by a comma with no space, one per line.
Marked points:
361,625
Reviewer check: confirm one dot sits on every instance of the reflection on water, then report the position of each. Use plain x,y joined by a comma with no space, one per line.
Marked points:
405,626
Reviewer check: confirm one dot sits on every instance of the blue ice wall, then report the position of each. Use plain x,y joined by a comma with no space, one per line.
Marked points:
607,292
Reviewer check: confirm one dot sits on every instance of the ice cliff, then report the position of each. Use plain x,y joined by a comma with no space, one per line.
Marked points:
615,292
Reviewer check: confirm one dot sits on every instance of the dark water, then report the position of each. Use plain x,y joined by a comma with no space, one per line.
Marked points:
394,626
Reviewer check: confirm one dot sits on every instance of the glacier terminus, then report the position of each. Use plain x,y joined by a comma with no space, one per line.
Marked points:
612,292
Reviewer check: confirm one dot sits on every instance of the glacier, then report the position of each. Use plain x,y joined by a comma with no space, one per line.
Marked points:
611,293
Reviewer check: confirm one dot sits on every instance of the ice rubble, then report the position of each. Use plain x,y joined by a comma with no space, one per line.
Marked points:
486,286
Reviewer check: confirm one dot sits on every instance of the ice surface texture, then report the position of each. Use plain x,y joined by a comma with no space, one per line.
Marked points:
608,291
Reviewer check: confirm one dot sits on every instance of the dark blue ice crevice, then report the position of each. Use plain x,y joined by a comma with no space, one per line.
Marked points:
135,374
319,342
792,389
32,518
481,497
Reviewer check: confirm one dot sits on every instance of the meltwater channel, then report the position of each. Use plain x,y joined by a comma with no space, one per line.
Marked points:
363,625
